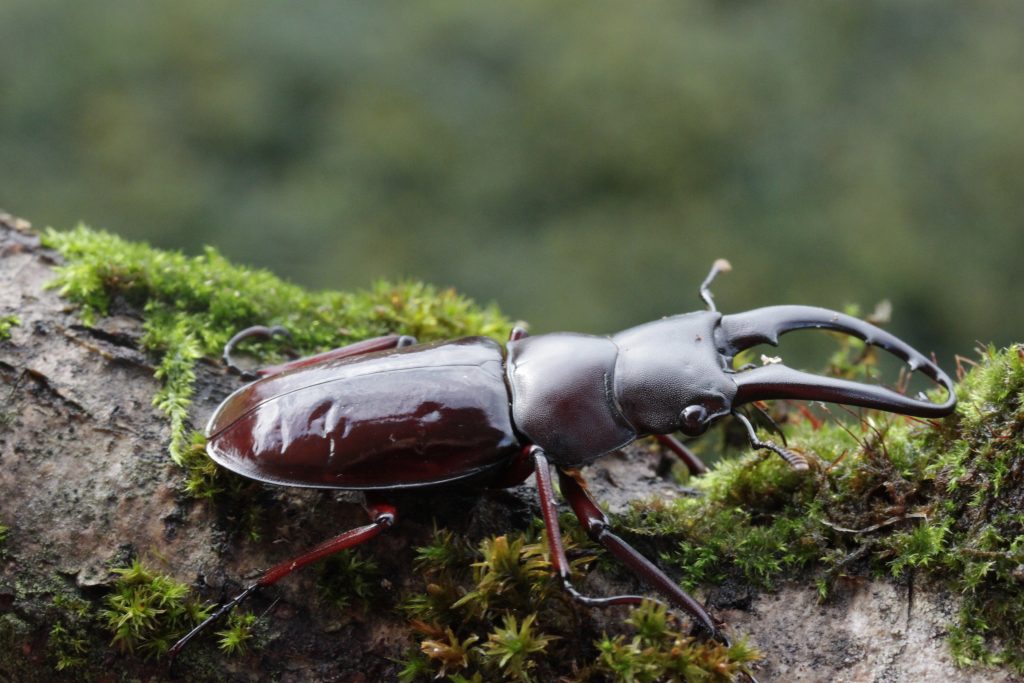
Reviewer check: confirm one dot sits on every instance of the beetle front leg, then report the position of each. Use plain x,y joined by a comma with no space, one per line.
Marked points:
383,515
795,460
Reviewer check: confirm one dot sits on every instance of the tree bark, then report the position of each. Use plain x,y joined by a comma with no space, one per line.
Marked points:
86,484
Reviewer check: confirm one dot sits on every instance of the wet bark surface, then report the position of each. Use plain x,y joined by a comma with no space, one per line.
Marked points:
86,484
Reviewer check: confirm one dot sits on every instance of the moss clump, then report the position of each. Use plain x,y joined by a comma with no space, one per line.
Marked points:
979,479
348,579
659,652
193,304
148,612
509,619
889,495
6,323
234,640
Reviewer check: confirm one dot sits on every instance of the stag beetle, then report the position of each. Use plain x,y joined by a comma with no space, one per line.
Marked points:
388,414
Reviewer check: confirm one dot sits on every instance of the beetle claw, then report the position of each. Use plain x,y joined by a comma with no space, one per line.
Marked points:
218,614
797,461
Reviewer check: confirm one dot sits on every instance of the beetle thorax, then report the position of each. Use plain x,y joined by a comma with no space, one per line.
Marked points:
668,366
562,397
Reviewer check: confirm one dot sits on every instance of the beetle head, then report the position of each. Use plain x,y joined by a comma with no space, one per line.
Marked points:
669,375
677,373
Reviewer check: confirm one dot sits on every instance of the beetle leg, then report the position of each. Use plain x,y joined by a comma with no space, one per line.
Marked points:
390,341
383,515
597,526
795,460
517,471
518,333
258,331
688,457
559,562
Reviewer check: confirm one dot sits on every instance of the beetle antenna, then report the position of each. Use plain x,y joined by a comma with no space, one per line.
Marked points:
719,266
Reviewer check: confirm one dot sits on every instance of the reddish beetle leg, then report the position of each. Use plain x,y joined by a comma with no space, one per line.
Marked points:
383,516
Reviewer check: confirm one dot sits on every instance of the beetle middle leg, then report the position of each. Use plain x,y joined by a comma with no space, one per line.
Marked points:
596,525
693,463
383,515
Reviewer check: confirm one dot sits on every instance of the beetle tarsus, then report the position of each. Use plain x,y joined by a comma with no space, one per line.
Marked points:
383,516
797,461
598,527
596,524
217,615
259,331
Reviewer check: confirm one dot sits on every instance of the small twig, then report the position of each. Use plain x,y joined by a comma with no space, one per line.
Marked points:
876,527
990,554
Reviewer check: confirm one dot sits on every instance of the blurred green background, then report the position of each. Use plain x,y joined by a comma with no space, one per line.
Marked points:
579,163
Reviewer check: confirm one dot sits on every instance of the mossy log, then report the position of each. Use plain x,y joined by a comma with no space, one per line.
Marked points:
87,485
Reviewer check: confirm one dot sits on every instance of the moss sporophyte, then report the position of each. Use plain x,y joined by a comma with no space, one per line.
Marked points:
884,494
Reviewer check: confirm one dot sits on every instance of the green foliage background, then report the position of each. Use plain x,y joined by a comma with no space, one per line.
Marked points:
580,163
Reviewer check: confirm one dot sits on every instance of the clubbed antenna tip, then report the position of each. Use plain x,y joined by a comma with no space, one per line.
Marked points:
719,266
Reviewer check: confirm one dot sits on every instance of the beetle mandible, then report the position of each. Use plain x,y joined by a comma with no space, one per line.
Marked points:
388,413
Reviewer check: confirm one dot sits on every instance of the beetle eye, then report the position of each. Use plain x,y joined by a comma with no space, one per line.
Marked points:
693,420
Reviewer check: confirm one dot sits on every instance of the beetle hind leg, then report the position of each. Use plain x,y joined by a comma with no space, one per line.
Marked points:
383,515
390,341
256,331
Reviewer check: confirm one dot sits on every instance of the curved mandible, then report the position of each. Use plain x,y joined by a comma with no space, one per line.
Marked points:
764,326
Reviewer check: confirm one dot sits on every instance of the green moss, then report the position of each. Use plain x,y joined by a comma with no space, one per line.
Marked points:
6,323
148,612
512,648
234,640
659,652
193,304
888,495
515,622
348,579
978,473
69,640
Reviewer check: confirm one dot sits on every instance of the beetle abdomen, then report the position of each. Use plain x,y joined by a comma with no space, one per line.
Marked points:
411,417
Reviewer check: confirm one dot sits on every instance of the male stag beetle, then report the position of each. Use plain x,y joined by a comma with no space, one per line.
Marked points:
388,414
